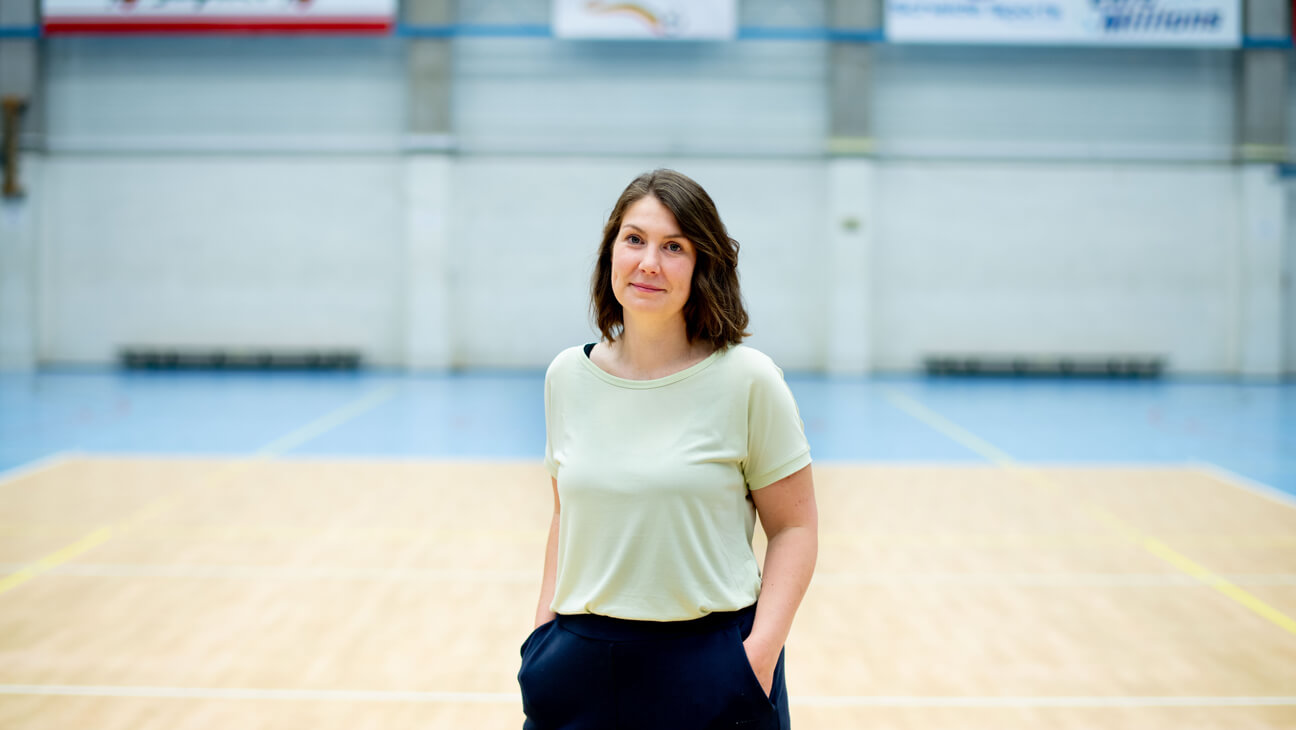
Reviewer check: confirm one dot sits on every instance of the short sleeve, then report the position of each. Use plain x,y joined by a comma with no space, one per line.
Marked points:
776,442
551,464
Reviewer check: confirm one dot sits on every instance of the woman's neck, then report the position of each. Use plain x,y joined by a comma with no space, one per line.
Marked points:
644,352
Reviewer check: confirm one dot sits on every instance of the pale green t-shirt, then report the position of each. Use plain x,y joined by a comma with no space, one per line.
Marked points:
653,479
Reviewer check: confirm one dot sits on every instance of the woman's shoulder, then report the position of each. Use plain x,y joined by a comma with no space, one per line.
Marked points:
751,362
747,356
568,358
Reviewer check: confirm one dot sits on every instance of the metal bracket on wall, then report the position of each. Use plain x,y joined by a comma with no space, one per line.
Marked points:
12,107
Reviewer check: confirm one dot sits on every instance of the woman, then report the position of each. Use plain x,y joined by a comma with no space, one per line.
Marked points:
664,441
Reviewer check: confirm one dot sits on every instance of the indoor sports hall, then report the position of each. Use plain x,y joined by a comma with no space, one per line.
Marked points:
280,282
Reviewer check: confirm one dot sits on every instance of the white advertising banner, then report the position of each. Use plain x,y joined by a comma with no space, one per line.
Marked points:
1165,23
217,16
654,19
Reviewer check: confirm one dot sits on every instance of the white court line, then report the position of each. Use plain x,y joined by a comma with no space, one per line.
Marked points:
104,533
1237,480
1148,542
1018,702
289,573
1060,580
14,473
244,693
262,572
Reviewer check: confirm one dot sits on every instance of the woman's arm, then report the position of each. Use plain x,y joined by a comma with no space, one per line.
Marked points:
791,521
544,614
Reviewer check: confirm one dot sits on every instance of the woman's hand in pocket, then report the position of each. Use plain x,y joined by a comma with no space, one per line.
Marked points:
763,659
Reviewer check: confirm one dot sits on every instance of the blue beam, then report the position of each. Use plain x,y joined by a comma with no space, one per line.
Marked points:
20,31
754,33
1278,42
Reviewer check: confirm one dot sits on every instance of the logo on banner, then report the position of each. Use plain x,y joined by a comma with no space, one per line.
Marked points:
1141,17
663,23
656,19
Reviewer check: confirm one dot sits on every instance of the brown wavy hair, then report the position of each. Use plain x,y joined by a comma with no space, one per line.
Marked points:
714,311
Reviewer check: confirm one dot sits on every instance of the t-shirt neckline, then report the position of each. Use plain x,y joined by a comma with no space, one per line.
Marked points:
675,377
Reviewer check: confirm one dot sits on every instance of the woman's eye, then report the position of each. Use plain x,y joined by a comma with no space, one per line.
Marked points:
674,247
632,238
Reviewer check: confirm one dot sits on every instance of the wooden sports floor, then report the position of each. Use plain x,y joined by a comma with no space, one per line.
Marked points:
281,588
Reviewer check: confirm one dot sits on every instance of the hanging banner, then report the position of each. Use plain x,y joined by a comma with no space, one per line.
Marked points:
655,19
1164,23
218,16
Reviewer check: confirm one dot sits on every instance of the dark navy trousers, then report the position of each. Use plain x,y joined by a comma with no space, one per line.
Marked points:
586,672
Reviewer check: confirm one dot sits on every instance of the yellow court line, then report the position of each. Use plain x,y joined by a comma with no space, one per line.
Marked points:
54,559
298,436
1152,545
1219,583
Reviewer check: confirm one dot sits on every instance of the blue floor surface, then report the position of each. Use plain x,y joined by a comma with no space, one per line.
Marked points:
1249,429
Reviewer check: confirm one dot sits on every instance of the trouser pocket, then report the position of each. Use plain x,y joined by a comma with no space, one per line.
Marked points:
526,643
564,680
746,674
527,673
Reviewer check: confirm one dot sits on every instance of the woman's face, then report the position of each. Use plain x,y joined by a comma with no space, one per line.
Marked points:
652,263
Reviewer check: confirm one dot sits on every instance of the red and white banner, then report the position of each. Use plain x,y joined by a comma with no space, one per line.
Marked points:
218,16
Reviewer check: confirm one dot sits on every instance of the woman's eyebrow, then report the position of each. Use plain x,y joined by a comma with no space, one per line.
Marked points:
668,235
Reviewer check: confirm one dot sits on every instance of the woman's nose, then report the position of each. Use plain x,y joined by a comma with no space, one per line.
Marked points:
649,260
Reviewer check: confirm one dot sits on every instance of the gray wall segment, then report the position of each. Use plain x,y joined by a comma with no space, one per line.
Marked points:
1053,103
1288,281
1262,104
428,12
429,67
429,70
19,13
850,92
426,340
426,308
19,59
1266,18
20,76
18,66
851,190
849,235
19,221
225,94
856,14
751,99
851,75
1258,281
